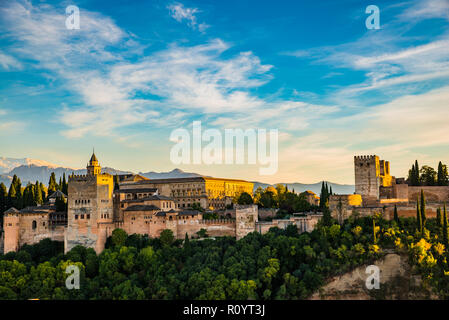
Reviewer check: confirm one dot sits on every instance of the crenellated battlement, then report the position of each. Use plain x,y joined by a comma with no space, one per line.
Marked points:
217,221
364,158
82,178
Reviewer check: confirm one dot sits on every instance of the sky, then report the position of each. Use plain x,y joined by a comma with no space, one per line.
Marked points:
136,71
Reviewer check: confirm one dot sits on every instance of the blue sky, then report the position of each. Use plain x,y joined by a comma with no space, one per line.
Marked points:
135,72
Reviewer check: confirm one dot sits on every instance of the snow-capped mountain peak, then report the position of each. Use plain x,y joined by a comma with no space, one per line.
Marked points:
8,164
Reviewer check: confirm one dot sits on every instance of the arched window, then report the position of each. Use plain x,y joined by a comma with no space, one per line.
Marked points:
34,225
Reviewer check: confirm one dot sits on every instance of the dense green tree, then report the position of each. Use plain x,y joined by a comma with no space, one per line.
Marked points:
428,176
267,200
245,198
119,237
61,204
202,233
167,237
28,196
442,178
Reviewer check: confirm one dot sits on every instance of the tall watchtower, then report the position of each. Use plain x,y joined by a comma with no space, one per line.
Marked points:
371,173
90,208
367,176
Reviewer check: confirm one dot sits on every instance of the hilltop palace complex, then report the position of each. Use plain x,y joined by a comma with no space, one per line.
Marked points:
99,202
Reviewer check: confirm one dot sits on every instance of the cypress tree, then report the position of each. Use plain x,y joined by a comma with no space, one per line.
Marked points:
445,233
38,194
52,184
442,179
423,210
322,196
65,185
19,194
26,196
411,175
439,223
396,218
3,198
3,201
416,173
59,186
418,216
374,231
330,191
44,195
12,195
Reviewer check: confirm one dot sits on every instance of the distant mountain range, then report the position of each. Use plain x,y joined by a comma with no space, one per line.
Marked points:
175,173
30,170
314,187
7,164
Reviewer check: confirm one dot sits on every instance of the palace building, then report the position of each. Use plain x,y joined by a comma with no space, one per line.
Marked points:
99,202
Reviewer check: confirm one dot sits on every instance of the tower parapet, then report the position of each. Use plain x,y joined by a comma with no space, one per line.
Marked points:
371,173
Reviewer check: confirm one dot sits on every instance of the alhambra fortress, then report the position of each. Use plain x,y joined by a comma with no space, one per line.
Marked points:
98,203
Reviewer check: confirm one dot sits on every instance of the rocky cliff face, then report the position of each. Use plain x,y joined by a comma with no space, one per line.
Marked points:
397,282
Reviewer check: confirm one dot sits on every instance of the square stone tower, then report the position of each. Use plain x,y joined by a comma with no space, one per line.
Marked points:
246,217
90,209
370,174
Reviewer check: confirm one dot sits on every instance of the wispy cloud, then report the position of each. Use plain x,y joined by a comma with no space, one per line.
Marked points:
400,131
389,58
8,62
181,13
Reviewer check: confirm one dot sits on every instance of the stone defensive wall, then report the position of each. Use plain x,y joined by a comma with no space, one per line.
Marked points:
304,224
404,210
214,228
431,193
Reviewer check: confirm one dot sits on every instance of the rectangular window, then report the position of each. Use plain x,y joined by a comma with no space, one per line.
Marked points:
76,217
88,216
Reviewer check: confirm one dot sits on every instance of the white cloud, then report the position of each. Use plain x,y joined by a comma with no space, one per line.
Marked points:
181,13
400,131
8,62
390,58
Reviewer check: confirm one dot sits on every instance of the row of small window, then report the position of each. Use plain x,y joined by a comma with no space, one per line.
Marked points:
81,216
105,216
82,201
137,195
34,224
